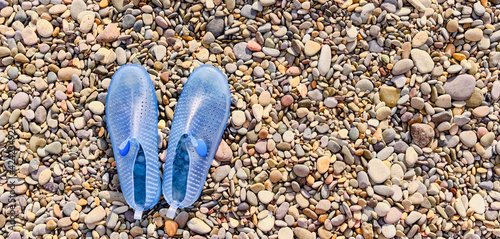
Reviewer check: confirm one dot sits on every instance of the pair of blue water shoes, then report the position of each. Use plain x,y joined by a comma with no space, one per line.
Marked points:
199,121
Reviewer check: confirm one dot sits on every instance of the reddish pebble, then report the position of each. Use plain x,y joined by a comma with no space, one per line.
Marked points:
165,76
253,46
69,88
286,100
109,34
263,134
293,71
481,131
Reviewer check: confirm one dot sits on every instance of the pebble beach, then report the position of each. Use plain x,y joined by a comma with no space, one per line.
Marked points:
349,118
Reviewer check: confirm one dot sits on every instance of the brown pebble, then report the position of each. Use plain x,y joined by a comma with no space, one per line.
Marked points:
275,176
136,231
263,134
171,227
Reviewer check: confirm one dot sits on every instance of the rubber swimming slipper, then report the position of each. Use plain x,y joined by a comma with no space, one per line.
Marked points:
132,119
199,121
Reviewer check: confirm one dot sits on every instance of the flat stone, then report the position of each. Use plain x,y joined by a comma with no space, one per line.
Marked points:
481,111
44,28
77,6
444,101
248,12
389,230
468,138
29,36
452,26
393,216
495,90
422,60
363,181
198,226
97,214
242,52
460,87
220,173
45,176
477,203
20,101
378,171
419,39
474,34
238,118
382,209
323,164
365,85
301,170
216,26
54,148
109,34
311,48
224,152
285,233
402,66
325,60
96,107
66,73
390,95
422,134
411,156
302,233
266,3
330,102
266,224
265,196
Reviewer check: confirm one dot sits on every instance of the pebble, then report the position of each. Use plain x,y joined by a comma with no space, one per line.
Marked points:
389,230
402,66
311,48
216,26
477,204
96,107
109,34
95,215
44,177
460,87
325,60
420,39
65,74
495,90
29,36
220,173
378,171
285,233
44,28
301,170
422,60
474,34
198,226
393,216
224,152
365,85
390,95
242,52
19,101
302,233
422,134
238,118
53,148
266,224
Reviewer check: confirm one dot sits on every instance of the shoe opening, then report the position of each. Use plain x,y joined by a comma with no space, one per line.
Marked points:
180,170
140,177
